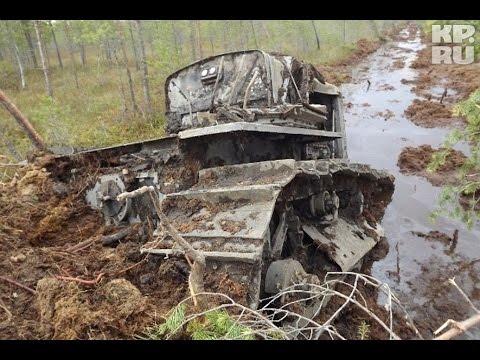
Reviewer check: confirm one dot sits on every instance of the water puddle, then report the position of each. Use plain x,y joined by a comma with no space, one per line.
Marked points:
417,269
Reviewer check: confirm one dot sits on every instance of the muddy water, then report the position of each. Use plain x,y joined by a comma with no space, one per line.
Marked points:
415,268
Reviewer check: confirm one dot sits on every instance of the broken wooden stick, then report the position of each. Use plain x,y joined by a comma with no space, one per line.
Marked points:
106,240
452,281
88,282
5,165
13,282
195,280
129,268
5,323
135,193
82,245
22,121
457,328
116,237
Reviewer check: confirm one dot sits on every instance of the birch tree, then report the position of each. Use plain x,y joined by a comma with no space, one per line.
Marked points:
143,61
70,51
48,85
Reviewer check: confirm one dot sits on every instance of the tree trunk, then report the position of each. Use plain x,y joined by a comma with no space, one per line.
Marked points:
199,39
127,69
20,66
134,47
265,30
175,37
316,34
374,27
16,53
28,37
254,34
22,121
44,45
59,57
70,50
210,39
122,88
242,35
143,60
192,40
83,57
10,147
48,85
108,52
225,37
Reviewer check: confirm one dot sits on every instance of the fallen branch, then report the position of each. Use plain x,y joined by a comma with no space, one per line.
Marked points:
452,281
129,268
82,245
106,240
457,328
195,280
3,324
116,237
12,164
88,282
24,123
34,292
135,193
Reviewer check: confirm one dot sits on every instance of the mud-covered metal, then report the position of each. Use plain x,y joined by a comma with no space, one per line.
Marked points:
253,172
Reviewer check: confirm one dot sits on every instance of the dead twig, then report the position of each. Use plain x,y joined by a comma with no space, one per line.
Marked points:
129,268
88,183
82,245
116,237
106,240
195,279
457,328
4,323
135,193
11,164
88,282
13,282
452,281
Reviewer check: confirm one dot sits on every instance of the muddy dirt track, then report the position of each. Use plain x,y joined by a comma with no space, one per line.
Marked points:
58,280
418,264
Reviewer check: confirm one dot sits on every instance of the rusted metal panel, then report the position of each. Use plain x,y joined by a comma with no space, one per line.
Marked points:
346,244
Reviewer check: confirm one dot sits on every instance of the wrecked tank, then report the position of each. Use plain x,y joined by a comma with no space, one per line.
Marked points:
253,171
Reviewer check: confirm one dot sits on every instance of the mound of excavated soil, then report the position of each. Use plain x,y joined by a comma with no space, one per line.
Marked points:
430,114
48,289
414,161
57,279
340,72
69,312
463,79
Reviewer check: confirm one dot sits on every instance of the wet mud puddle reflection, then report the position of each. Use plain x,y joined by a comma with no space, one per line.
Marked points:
416,268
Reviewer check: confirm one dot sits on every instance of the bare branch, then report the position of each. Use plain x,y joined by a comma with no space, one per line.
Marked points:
135,193
76,279
34,292
195,280
452,281
458,328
